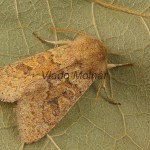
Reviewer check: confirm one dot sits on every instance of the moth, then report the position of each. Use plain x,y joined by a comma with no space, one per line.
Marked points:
43,101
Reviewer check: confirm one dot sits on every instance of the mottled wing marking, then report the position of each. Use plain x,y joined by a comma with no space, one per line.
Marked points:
43,106
15,77
42,103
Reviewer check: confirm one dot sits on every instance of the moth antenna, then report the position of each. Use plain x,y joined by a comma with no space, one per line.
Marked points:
67,30
101,84
121,9
110,66
60,42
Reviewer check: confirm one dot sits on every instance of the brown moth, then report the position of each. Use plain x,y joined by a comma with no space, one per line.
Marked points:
43,100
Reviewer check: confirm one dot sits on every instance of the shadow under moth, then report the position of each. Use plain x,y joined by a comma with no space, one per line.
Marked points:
42,99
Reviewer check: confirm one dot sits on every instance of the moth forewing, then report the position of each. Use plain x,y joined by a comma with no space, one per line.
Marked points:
46,107
48,84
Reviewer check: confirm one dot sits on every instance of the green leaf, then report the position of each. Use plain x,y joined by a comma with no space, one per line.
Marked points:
90,124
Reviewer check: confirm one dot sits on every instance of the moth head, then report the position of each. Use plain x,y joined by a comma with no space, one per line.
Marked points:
94,51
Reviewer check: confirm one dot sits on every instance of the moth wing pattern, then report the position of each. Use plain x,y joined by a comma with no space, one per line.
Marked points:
43,105
16,76
29,111
43,102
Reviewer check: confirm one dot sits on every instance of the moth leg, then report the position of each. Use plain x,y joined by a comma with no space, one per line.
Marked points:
110,66
110,99
103,86
60,42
